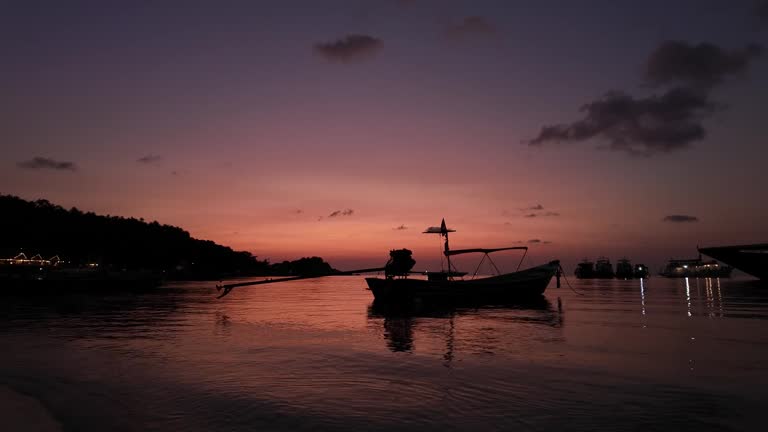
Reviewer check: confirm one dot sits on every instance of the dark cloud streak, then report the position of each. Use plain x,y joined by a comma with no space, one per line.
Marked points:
149,159
353,47
46,163
680,219
337,213
471,27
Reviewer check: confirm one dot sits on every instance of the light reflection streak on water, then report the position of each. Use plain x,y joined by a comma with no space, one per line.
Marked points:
688,295
642,296
719,298
710,299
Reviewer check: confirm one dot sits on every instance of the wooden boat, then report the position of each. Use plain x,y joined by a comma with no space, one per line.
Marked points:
397,286
585,270
683,268
751,259
624,269
443,285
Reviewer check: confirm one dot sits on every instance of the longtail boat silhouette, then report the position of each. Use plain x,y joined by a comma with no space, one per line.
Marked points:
447,284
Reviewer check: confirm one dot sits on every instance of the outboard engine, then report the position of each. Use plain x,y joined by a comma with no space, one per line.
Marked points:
400,263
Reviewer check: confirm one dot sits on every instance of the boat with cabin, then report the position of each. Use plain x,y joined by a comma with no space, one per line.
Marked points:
585,269
641,271
624,269
396,285
604,269
682,268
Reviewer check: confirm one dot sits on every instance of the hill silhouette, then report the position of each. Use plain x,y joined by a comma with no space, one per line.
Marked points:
40,227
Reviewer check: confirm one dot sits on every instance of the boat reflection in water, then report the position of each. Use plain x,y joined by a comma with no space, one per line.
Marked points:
467,328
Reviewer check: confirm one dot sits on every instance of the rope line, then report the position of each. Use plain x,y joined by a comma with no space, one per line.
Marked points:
562,272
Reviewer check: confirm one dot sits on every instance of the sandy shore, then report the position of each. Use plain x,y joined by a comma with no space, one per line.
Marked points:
22,413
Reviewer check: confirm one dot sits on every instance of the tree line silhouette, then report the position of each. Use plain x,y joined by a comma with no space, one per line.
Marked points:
40,227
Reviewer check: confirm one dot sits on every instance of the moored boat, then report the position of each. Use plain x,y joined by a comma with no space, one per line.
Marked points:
585,269
682,268
751,259
624,269
603,268
397,286
641,271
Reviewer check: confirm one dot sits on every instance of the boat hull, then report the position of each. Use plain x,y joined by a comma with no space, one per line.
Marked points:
529,283
751,259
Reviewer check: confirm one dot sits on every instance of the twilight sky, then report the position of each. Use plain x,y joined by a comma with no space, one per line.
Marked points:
344,128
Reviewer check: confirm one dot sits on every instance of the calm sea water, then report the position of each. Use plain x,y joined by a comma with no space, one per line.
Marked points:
663,354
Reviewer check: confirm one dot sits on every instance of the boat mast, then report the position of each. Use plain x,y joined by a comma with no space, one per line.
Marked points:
444,233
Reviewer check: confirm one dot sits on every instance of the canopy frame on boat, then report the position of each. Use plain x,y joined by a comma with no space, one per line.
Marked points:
486,255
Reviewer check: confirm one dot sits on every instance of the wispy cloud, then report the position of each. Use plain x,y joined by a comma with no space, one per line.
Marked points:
471,27
537,212
46,163
400,228
337,213
680,218
534,241
149,159
353,47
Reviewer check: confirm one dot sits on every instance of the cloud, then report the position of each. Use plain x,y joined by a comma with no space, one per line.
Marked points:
149,159
471,27
680,218
46,163
543,214
400,228
337,213
658,123
353,47
702,65
638,126
534,241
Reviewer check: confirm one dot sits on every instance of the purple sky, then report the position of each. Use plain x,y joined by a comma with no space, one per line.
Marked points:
252,123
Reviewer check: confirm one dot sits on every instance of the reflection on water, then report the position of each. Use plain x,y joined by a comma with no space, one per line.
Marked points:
654,354
481,323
